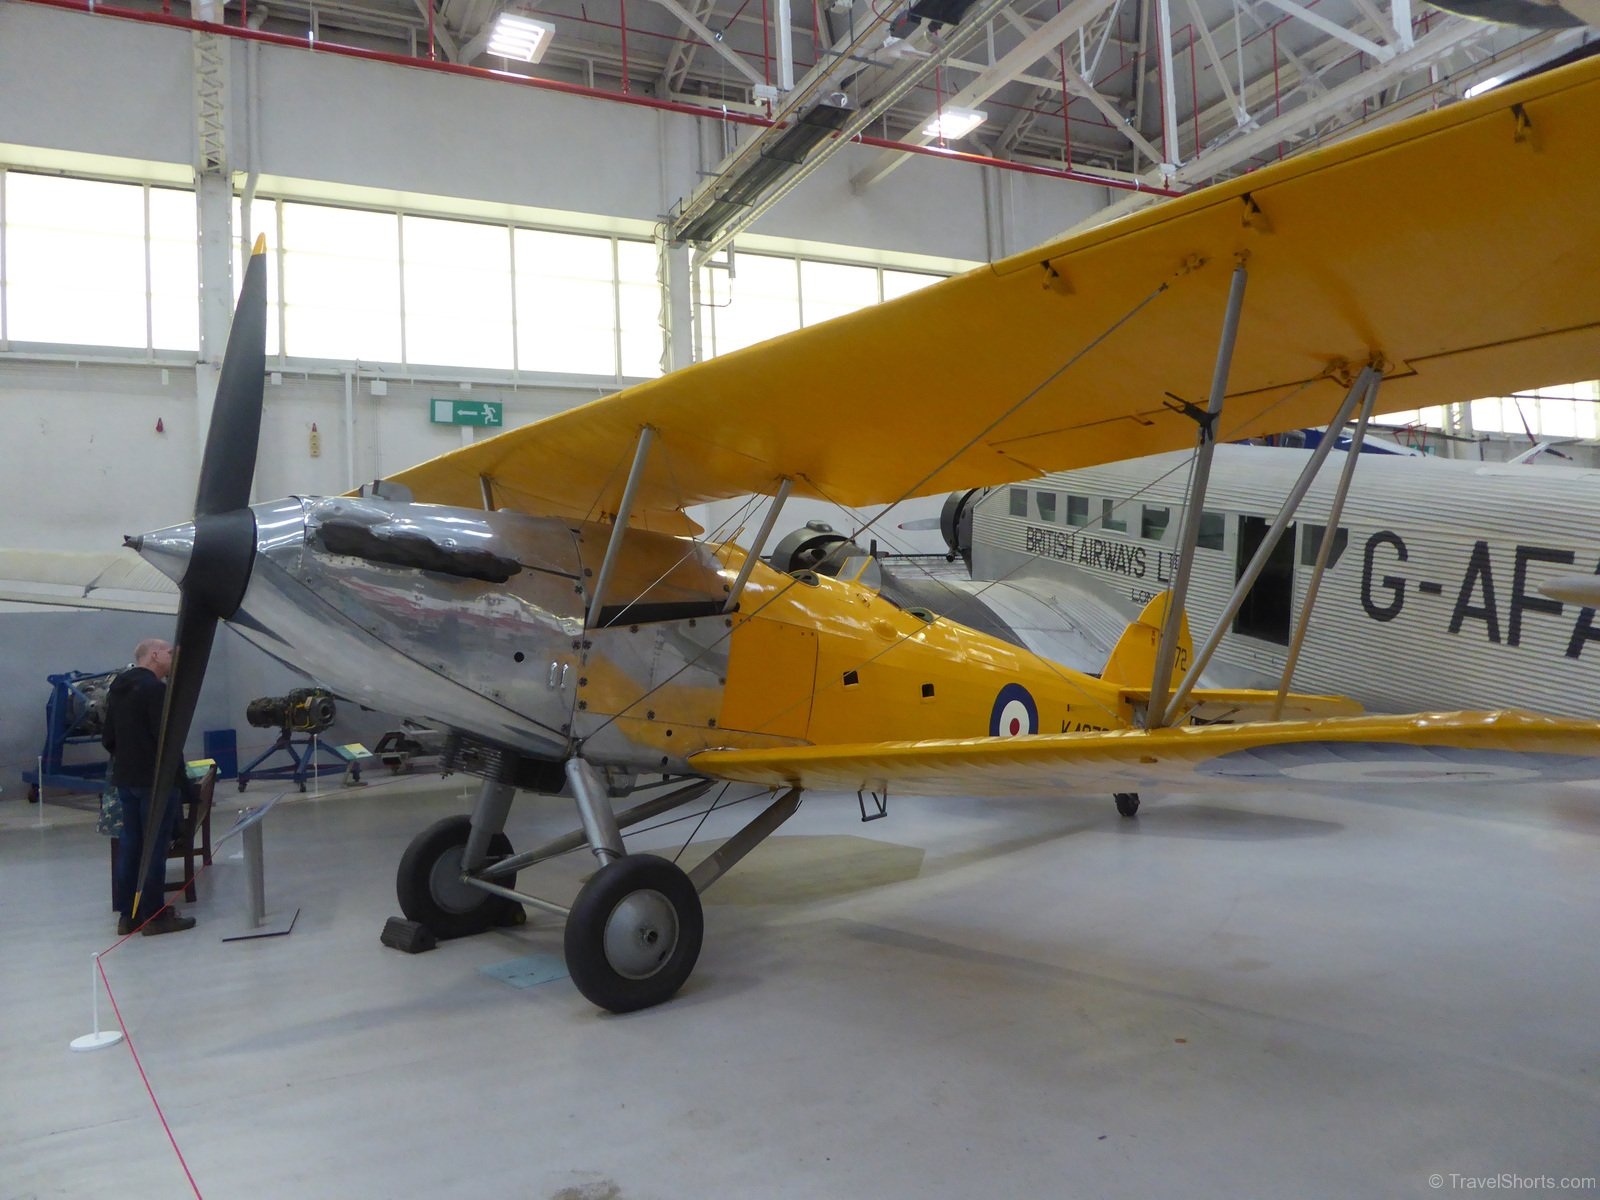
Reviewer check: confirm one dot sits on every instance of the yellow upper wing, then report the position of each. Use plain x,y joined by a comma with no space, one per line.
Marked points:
1499,748
1461,247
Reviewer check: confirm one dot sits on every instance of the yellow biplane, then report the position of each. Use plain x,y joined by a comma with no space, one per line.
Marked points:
543,594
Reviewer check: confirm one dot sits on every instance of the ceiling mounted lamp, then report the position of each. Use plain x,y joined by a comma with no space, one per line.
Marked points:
520,37
954,123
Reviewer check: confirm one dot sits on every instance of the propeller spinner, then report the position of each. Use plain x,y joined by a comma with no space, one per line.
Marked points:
220,544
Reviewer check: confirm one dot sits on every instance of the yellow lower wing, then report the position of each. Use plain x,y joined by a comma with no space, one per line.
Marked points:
1462,747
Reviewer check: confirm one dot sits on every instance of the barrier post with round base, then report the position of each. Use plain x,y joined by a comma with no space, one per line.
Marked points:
100,1038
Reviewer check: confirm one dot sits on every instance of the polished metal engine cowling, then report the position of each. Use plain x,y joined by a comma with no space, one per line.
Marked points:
474,618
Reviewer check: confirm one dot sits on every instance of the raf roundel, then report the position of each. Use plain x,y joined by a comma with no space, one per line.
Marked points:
1014,712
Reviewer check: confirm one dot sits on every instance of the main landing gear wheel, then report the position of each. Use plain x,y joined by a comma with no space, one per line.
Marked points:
1127,803
430,888
633,934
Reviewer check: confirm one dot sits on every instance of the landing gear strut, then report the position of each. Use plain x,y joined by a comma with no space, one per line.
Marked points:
632,935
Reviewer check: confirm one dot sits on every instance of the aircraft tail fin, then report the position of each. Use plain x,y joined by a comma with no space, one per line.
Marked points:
1132,662
1132,667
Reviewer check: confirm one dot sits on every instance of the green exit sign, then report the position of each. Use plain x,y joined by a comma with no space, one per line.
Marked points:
466,412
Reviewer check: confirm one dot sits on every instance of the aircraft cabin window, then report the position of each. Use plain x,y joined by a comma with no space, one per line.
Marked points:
1153,524
1047,506
1077,510
1212,530
1109,520
1312,545
1019,502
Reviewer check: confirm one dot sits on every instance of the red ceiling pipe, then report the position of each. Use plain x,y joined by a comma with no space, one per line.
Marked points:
622,19
984,160
704,112
320,47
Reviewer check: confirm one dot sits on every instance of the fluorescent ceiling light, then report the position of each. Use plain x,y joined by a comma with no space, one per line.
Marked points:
954,123
518,36
1479,89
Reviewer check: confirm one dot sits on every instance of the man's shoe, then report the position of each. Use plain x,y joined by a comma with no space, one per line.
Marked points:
124,927
168,922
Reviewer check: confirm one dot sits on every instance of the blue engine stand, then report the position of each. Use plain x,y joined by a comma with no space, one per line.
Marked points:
302,752
70,719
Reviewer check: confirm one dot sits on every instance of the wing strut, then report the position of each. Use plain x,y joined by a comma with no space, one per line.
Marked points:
760,544
1291,504
619,524
1329,535
1194,509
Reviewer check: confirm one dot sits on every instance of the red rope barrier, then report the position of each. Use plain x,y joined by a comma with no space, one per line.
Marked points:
128,1036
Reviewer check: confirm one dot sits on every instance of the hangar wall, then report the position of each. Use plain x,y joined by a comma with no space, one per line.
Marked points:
98,85
83,461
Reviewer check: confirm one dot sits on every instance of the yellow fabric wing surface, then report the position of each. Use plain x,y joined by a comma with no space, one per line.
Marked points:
1461,247
1500,748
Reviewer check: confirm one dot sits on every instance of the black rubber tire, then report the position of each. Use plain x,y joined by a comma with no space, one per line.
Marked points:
451,916
1127,803
663,958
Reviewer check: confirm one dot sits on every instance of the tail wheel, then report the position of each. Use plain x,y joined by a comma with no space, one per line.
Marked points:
430,888
1128,803
634,933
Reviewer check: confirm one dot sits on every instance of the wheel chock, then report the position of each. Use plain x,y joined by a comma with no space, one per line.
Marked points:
411,936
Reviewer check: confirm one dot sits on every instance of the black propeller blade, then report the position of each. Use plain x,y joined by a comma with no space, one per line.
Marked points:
224,540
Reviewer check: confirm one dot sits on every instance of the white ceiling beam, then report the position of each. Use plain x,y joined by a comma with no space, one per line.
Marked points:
703,32
1033,47
681,55
1317,21
1400,16
1169,92
784,33
1241,113
1080,87
1075,84
1441,40
1379,22
1308,76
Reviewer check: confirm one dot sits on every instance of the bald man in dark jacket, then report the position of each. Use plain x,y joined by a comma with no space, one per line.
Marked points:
132,733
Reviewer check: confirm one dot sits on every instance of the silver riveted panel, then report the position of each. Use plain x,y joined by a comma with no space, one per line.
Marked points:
452,614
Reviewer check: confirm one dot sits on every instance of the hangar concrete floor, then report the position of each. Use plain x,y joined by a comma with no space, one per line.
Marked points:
1286,996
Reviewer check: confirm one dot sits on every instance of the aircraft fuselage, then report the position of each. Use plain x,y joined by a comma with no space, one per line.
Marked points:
481,621
1431,597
